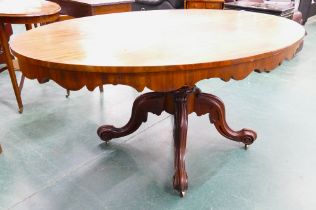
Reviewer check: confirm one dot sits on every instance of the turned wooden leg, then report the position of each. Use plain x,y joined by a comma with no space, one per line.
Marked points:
180,178
8,60
208,103
149,102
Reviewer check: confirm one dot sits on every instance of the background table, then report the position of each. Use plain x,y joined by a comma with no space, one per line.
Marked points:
82,8
200,45
23,12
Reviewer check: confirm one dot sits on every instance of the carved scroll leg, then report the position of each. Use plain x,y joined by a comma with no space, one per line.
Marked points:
149,102
180,178
207,103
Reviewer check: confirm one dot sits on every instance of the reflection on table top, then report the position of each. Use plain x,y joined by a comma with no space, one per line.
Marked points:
158,38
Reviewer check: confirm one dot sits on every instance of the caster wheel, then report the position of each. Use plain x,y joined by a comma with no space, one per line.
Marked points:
182,194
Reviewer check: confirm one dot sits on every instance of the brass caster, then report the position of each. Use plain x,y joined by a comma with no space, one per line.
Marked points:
182,194
246,146
21,110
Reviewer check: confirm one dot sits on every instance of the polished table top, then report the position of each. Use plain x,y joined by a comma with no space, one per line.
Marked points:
163,41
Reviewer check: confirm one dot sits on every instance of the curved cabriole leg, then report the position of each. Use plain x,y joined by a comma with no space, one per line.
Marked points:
207,103
149,102
180,178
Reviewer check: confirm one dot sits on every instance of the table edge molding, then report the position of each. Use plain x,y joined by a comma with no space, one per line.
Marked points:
156,81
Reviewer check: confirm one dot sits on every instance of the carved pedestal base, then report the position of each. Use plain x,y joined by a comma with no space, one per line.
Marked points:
179,103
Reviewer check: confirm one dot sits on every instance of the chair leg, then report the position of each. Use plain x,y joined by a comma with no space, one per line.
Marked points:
101,88
21,83
8,59
0,149
28,26
68,93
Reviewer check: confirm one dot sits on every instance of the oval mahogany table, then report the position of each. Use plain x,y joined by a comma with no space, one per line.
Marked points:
23,12
166,51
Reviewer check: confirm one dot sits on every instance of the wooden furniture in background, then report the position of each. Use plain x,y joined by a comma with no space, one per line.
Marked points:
80,53
82,8
23,12
283,9
203,4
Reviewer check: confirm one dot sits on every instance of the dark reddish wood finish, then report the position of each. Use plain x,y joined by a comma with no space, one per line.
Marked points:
180,177
179,103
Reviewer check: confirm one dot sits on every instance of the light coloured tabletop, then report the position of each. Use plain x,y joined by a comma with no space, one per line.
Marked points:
16,8
172,39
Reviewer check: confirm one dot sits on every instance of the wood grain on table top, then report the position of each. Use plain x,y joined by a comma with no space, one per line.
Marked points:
166,40
16,8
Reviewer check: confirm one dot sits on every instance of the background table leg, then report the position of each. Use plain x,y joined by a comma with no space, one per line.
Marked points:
8,60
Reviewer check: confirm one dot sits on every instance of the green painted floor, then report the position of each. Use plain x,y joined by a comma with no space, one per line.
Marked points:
53,158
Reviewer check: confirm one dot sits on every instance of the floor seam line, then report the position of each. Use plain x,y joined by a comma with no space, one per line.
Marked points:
55,181
132,137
